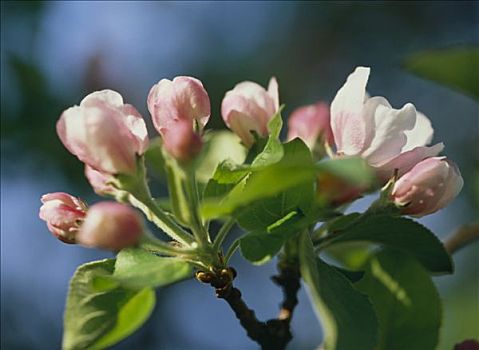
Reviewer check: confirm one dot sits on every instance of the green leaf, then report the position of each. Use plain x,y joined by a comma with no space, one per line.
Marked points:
136,268
264,212
348,318
219,146
406,302
294,169
456,67
353,170
226,176
260,248
400,233
95,318
273,150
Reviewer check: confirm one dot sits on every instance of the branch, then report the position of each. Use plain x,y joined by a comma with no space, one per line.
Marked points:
462,237
273,334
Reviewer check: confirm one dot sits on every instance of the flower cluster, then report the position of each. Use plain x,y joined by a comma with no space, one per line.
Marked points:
111,137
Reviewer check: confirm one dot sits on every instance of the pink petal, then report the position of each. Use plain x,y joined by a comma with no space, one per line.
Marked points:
407,160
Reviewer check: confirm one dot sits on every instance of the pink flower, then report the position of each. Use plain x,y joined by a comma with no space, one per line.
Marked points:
181,141
104,133
111,226
63,214
429,186
249,107
310,123
183,98
387,138
99,181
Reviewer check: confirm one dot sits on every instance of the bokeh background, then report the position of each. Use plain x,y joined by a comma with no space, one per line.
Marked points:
54,53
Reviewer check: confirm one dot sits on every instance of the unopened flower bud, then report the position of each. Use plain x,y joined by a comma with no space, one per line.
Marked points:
99,181
311,123
249,107
111,226
104,133
181,141
183,98
429,186
63,214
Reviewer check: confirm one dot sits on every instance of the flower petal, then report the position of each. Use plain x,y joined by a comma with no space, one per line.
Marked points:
420,135
348,128
407,160
389,137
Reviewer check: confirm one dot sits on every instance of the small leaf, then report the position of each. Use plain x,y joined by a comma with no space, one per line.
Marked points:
264,212
294,169
136,268
348,318
400,233
273,150
219,146
95,318
406,301
456,67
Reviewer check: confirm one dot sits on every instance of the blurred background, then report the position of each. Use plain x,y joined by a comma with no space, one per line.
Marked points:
54,53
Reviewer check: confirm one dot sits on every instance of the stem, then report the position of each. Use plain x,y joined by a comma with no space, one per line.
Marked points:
156,215
231,250
196,225
223,232
151,243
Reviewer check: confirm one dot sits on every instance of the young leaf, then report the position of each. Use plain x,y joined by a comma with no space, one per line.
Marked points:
226,176
455,67
264,212
400,233
348,318
219,146
273,150
136,268
95,318
154,159
406,302
294,169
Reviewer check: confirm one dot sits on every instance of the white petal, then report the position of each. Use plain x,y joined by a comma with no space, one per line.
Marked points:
389,137
346,110
420,135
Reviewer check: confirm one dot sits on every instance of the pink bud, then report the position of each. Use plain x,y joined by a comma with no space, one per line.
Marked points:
249,107
104,133
182,98
309,123
111,226
429,186
181,141
63,214
99,181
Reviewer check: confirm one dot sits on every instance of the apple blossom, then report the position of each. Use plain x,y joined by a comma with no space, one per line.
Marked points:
63,214
310,123
181,98
111,226
181,141
429,186
104,133
99,181
387,138
249,107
